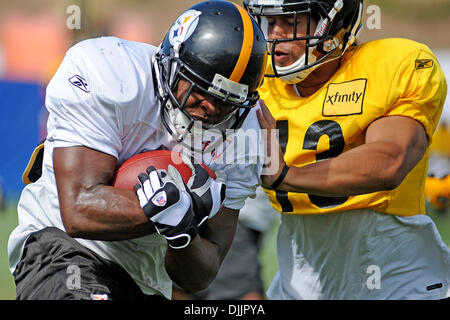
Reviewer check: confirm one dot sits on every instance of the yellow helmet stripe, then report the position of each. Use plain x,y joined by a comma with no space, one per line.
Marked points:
247,46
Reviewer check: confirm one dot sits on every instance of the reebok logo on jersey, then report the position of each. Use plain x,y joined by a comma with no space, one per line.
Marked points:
79,82
424,64
345,98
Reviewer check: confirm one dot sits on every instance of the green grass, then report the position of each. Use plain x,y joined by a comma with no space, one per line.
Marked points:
268,257
8,221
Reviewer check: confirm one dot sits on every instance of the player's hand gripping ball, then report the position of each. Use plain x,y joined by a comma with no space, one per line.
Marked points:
126,175
167,204
206,188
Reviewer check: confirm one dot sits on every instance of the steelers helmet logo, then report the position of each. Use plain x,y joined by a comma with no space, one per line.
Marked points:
184,26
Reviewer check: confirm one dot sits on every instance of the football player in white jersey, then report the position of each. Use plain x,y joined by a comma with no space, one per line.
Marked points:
80,238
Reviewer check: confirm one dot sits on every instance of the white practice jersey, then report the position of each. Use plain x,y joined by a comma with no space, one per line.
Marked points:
103,97
360,255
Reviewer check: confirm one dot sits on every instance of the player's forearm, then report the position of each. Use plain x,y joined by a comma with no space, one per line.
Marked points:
365,169
194,267
105,213
90,208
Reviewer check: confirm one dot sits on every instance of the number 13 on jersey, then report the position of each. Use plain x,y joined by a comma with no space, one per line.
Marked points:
318,129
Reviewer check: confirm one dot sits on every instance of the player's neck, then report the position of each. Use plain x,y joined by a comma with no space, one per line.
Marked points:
318,78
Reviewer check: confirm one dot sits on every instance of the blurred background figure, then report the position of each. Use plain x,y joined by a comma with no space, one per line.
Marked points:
437,192
437,186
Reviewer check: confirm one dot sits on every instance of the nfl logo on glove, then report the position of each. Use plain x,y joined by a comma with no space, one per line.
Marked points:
160,199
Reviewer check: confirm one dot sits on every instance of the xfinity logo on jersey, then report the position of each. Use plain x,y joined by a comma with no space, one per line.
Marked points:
345,98
338,97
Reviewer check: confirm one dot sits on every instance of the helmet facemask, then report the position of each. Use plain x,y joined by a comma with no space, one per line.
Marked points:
327,42
214,51
231,98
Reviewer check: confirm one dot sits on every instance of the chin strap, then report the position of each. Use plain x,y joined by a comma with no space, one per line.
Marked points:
356,30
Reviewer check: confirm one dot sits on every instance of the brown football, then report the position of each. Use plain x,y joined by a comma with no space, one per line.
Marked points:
126,175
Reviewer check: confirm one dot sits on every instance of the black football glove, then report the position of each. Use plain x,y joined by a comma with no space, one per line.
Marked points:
207,194
167,205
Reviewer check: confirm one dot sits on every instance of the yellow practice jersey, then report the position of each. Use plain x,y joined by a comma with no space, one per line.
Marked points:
389,77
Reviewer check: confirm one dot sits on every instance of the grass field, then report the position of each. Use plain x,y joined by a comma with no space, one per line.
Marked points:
8,220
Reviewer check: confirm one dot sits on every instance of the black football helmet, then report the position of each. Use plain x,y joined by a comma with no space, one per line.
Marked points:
220,50
338,25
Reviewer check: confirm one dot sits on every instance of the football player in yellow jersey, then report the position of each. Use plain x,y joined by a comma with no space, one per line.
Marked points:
354,122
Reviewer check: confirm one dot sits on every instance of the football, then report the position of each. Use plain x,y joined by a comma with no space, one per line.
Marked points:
126,174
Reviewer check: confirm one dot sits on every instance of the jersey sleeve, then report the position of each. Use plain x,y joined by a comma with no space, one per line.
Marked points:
81,104
418,90
243,169
242,181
